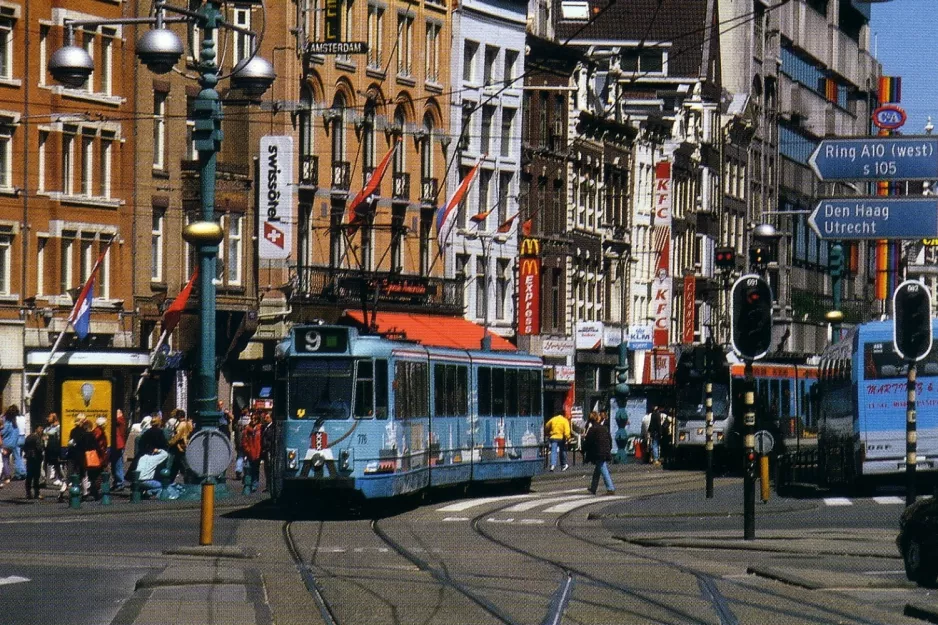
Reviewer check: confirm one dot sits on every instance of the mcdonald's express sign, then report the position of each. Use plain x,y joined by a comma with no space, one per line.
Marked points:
529,288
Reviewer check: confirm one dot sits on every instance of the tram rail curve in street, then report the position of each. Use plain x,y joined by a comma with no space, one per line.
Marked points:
328,616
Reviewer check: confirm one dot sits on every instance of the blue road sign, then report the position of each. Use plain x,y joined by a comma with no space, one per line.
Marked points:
876,158
883,217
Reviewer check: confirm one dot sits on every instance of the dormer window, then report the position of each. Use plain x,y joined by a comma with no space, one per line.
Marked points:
644,60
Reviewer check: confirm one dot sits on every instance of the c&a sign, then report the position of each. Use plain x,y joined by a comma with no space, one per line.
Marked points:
529,288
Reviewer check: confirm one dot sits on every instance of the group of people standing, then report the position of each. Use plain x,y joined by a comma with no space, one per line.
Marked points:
254,440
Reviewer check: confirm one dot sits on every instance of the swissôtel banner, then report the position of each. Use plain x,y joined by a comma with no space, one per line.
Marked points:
275,232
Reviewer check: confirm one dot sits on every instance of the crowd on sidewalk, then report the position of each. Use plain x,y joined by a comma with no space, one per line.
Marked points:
95,450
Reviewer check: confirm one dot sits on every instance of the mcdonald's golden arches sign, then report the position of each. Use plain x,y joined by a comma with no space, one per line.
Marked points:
529,288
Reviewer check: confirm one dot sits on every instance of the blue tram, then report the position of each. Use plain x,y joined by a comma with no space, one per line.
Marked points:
375,417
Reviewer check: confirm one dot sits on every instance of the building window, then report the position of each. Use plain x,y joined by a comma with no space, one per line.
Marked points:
405,44
480,287
338,128
68,161
86,254
41,249
41,164
107,59
159,129
195,42
375,37
426,148
305,117
156,245
463,208
502,285
313,23
644,60
87,163
504,195
6,156
242,43
368,138
6,247
470,50
103,282
88,38
511,59
485,186
508,119
485,134
235,249
347,32
6,47
432,52
400,155
43,53
191,153
66,261
491,56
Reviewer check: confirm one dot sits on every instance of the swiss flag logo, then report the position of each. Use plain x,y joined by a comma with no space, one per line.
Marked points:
273,235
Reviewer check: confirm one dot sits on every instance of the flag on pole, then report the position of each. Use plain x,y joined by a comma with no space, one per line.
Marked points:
480,217
447,213
505,226
568,402
358,207
174,313
80,317
526,226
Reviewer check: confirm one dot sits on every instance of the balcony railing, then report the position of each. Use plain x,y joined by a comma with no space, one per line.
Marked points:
309,170
341,172
394,291
428,191
401,190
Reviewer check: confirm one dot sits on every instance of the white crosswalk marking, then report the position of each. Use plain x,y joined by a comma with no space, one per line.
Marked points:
889,500
530,505
472,503
837,501
573,505
13,579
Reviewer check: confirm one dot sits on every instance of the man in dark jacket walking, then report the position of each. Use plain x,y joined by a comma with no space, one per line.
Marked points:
598,449
268,445
33,451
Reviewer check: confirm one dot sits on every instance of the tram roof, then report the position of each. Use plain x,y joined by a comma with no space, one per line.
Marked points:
434,330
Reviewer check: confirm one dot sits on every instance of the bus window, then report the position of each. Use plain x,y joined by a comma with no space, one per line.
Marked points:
364,390
462,391
511,392
381,389
498,392
485,391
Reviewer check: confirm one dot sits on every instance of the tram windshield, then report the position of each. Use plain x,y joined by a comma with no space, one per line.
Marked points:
321,389
691,405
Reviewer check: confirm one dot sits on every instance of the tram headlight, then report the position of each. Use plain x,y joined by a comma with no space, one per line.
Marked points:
318,461
291,459
682,436
345,460
700,431
719,436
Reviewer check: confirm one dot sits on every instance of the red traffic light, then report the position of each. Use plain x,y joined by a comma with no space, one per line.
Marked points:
725,257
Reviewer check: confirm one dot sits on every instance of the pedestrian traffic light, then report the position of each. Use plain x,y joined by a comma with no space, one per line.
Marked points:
751,317
725,257
835,260
911,314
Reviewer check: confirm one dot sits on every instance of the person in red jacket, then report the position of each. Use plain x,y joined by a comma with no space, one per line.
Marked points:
251,447
117,452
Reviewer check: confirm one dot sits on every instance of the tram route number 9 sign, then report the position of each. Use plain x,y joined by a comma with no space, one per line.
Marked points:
320,340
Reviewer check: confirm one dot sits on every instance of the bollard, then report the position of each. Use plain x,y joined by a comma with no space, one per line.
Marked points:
164,482
105,488
247,484
764,477
135,494
74,492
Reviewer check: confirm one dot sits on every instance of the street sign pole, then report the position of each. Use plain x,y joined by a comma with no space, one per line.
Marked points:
911,440
749,470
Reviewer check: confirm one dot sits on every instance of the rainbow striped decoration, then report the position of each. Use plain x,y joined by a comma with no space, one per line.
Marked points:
890,89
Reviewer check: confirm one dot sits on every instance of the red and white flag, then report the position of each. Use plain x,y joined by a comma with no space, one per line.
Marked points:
447,213
359,206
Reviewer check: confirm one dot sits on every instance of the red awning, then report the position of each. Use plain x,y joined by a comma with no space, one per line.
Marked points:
433,330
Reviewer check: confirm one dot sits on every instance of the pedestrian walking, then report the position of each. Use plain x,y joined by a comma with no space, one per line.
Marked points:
251,447
597,448
53,451
178,442
239,426
9,445
268,447
33,453
101,450
119,444
557,431
80,440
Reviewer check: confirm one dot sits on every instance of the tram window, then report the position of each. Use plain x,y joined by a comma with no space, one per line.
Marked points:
786,408
524,392
439,390
511,392
485,391
381,389
498,392
411,390
461,392
364,390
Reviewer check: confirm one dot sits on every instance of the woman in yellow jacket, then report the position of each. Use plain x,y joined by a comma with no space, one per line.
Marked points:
557,431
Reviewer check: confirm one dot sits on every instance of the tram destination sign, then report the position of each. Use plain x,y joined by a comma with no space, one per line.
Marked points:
336,47
883,217
876,158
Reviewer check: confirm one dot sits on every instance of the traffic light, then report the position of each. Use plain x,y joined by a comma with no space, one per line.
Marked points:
912,318
751,317
758,255
725,257
835,260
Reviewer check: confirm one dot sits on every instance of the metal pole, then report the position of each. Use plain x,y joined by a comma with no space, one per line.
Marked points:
486,339
708,415
911,439
836,287
749,464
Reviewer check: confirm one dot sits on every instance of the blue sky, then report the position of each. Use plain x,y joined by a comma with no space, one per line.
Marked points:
905,40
